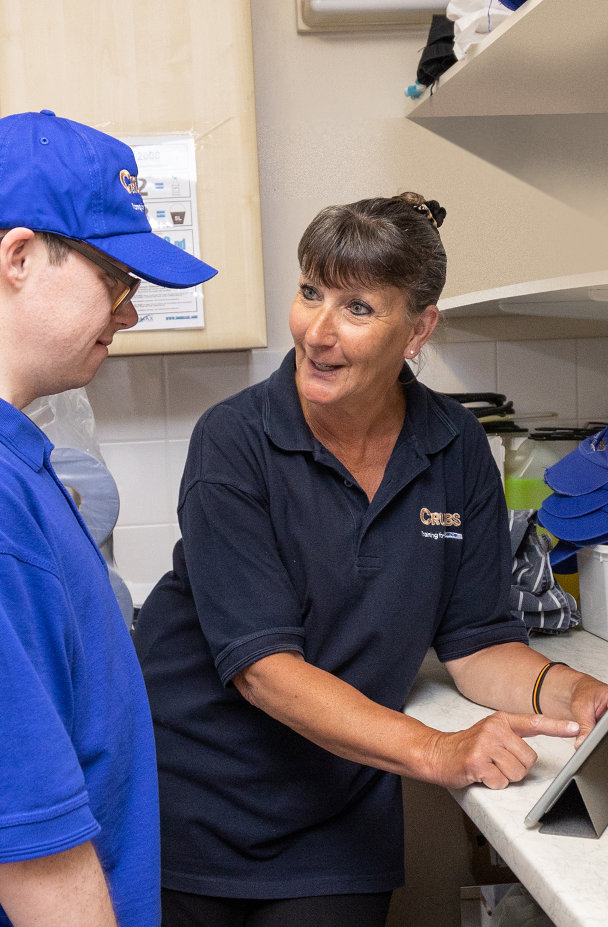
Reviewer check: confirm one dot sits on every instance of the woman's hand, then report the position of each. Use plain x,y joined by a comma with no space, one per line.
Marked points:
492,751
503,677
337,717
588,702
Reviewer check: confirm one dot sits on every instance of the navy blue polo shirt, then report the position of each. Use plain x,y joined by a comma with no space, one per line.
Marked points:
283,551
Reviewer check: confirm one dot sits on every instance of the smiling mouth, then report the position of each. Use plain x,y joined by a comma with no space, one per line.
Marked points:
324,367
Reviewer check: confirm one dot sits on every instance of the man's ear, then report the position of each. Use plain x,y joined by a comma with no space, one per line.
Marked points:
15,251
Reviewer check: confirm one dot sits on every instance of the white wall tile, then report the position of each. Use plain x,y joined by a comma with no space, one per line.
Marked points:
197,381
141,472
592,379
459,368
142,555
176,458
128,399
263,362
539,376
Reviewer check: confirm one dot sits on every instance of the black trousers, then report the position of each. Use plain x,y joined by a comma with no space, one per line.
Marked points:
181,909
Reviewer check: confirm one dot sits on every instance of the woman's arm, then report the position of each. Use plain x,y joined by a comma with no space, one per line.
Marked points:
503,677
339,718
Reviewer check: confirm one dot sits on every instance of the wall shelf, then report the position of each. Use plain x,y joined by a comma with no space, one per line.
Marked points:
531,100
548,57
582,295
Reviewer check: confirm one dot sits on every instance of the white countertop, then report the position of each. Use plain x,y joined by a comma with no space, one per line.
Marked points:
568,876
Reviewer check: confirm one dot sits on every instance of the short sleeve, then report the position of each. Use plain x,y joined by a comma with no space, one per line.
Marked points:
244,598
44,805
478,613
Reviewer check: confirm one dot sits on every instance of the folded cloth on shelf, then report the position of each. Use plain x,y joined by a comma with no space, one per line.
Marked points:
473,19
583,470
535,597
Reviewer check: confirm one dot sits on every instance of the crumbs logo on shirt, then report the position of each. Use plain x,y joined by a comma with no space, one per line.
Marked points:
436,520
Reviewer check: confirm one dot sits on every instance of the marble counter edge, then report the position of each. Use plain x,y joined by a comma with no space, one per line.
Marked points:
566,875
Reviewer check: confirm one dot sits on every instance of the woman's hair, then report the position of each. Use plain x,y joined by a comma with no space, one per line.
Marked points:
385,241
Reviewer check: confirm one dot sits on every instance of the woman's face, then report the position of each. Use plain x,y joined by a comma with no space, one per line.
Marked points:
351,342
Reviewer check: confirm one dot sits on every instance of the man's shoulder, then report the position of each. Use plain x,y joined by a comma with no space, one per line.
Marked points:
21,534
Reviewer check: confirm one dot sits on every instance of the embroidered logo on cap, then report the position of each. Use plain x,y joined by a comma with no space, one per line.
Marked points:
129,182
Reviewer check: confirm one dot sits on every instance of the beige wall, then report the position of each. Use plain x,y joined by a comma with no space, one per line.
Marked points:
331,128
330,120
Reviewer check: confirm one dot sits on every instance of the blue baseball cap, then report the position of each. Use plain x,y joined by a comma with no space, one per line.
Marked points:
63,177
580,530
574,506
563,557
584,469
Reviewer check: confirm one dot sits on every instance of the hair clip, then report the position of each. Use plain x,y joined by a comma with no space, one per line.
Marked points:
426,212
438,212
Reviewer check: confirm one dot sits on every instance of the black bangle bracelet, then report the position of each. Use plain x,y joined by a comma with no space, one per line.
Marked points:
539,682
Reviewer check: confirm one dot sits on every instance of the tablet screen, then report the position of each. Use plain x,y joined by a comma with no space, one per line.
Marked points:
555,789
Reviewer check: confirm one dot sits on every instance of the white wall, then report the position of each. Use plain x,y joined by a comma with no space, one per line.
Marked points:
331,128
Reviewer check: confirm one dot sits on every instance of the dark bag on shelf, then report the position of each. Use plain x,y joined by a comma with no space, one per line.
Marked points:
438,53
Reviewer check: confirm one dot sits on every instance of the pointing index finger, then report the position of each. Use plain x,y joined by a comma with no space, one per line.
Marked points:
533,725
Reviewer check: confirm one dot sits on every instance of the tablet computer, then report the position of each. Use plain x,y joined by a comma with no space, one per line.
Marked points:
586,774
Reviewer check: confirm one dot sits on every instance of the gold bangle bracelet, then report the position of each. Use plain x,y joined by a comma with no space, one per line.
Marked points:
538,684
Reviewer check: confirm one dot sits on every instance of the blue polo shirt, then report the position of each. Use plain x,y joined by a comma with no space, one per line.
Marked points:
78,759
283,551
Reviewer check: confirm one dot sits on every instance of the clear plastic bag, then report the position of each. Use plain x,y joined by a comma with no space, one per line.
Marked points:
67,419
517,908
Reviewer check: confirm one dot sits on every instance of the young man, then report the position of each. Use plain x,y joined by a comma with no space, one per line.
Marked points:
78,793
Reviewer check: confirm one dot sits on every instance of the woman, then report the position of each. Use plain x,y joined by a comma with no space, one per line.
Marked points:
337,520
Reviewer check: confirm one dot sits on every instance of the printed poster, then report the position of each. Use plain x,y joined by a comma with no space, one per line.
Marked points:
166,169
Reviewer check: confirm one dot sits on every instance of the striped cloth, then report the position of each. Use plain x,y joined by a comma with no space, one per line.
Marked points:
535,597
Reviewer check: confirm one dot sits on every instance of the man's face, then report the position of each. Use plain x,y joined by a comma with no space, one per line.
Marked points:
73,304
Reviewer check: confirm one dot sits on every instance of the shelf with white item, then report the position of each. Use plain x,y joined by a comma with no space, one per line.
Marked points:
531,100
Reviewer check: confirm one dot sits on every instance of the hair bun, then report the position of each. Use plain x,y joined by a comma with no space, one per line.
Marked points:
438,213
430,209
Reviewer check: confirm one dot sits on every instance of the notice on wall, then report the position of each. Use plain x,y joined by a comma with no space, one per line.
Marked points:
166,168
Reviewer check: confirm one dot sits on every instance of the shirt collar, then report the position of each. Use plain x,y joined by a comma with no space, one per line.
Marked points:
426,421
284,421
22,437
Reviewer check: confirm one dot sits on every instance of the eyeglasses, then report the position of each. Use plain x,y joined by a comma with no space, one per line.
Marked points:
130,283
